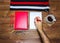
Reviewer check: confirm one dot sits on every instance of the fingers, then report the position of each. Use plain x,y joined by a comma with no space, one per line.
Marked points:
37,19
38,23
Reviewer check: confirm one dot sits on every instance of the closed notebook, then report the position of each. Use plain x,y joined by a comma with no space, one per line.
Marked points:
21,20
33,15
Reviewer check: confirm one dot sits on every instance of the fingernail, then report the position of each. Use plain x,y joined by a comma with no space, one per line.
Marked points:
38,20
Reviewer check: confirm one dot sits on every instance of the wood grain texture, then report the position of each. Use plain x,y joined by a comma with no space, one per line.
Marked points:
53,32
30,36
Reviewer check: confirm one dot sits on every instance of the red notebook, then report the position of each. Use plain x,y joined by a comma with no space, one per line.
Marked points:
21,20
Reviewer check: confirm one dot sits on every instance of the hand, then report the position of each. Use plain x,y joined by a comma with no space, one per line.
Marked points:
38,23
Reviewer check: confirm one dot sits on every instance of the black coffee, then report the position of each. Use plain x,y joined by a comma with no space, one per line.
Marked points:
50,19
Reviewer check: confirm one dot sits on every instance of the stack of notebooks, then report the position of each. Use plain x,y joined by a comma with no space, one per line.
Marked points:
35,5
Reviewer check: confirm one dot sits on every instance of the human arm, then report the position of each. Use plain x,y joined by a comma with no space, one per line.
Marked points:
38,24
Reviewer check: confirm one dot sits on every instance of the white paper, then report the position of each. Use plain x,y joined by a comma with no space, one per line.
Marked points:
34,14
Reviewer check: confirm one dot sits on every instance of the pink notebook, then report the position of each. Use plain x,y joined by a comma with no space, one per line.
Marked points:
21,20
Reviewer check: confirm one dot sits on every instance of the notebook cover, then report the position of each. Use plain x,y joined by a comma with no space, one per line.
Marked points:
21,20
